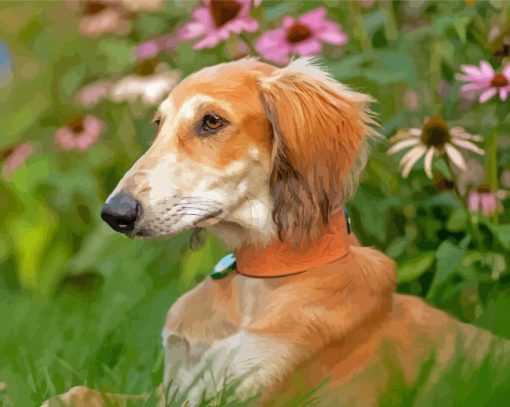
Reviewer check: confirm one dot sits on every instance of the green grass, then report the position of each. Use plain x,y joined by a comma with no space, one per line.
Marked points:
104,332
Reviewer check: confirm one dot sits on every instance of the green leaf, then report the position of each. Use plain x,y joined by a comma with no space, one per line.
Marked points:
502,232
457,220
415,266
460,26
398,246
449,258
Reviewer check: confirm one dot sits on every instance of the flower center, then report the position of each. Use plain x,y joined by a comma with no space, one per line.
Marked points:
93,7
6,152
76,125
146,67
298,32
435,133
224,11
499,80
483,189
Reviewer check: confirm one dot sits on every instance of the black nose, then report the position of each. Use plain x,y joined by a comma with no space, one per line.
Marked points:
121,212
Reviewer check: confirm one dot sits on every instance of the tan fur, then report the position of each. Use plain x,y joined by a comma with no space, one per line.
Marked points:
312,116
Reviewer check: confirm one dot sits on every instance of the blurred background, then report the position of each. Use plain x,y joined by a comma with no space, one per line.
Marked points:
79,84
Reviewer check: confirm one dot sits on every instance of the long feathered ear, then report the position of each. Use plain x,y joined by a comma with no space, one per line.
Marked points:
320,130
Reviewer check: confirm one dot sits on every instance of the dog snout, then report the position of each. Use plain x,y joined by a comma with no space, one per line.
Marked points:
121,212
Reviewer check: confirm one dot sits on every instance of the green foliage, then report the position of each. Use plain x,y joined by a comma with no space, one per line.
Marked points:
82,305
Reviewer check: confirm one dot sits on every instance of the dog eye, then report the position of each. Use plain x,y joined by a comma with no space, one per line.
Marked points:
157,122
211,123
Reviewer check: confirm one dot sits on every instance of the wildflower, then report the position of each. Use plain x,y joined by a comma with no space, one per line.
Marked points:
79,134
138,6
100,17
151,82
15,157
303,36
216,20
434,138
93,93
486,201
485,80
152,48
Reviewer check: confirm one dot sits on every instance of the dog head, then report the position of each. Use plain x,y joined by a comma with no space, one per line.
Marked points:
249,149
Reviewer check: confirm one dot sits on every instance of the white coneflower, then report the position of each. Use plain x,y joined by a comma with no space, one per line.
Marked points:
433,139
151,82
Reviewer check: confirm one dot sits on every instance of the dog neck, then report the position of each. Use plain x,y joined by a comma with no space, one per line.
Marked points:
282,258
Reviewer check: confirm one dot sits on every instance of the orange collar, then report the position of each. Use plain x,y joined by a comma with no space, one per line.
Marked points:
280,259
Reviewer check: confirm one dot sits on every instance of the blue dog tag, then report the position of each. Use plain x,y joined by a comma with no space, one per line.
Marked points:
224,267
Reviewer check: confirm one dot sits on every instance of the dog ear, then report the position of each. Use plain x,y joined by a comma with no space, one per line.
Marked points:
320,130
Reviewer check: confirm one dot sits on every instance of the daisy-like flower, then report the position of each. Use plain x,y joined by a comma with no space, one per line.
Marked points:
93,93
151,82
81,133
433,139
15,157
302,36
486,201
486,81
216,20
105,16
153,47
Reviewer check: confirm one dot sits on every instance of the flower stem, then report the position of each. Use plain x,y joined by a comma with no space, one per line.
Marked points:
390,26
491,165
359,29
435,75
473,229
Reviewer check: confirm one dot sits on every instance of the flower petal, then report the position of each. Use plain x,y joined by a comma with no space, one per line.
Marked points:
333,34
506,71
273,46
486,68
428,162
503,93
287,21
486,95
459,132
455,156
468,87
313,18
473,201
308,47
399,146
410,158
467,145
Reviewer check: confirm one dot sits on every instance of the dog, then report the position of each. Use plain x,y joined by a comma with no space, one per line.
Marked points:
266,158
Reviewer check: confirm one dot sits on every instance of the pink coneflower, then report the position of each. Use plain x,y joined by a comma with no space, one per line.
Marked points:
100,17
151,82
433,139
153,47
93,93
79,134
216,20
15,157
302,36
485,80
486,201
